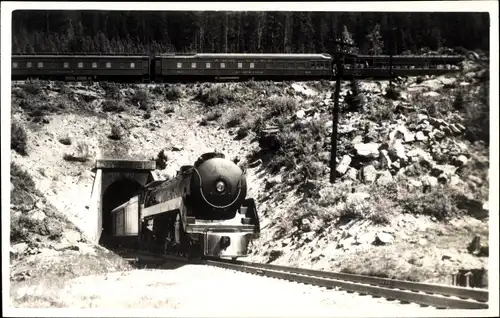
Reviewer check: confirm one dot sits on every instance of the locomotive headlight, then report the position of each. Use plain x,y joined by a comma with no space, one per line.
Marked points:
220,186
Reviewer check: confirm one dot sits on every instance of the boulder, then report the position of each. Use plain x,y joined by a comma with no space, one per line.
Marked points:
271,182
438,170
384,177
383,239
422,117
454,129
397,150
406,134
429,181
414,184
385,160
368,150
352,174
357,140
357,197
431,94
420,136
305,225
300,114
460,161
72,236
369,173
365,238
396,165
343,165
19,248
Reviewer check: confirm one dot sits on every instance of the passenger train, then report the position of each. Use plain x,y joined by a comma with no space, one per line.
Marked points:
195,67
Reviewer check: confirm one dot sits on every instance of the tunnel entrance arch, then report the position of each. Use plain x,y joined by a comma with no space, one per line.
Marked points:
115,182
116,194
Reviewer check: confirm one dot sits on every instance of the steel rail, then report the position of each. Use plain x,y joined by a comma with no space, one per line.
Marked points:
439,296
461,292
403,294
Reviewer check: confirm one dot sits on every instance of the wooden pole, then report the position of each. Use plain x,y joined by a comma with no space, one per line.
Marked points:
335,119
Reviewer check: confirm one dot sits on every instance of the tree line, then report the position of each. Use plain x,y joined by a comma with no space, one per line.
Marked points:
244,32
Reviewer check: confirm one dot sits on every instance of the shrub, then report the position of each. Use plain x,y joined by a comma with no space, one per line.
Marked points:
65,140
354,99
158,90
18,139
215,96
116,132
459,101
393,93
241,133
439,202
419,80
161,160
235,118
23,185
23,227
19,93
477,117
81,154
169,109
112,106
381,111
213,115
111,90
32,88
173,93
281,106
141,99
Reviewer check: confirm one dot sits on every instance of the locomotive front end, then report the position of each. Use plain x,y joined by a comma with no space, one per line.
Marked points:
223,216
218,187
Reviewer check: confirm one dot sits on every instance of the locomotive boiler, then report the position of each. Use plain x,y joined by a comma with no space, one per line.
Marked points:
203,211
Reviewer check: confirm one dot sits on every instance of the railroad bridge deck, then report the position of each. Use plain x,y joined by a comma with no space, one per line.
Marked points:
114,183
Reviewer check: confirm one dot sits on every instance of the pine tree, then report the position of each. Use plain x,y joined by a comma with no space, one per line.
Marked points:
347,38
376,45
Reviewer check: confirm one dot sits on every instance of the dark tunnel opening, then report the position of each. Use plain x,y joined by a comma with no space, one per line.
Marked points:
116,194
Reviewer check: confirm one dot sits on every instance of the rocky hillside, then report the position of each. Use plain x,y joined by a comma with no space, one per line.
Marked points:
412,169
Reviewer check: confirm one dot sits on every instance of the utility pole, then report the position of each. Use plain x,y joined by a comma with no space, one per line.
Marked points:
339,62
391,53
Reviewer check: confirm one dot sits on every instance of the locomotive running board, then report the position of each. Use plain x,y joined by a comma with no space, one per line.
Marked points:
164,207
202,228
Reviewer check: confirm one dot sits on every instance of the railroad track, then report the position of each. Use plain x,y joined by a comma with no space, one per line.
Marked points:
439,296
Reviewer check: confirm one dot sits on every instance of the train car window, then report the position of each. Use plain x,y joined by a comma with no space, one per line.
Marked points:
29,64
179,65
80,64
94,64
222,65
193,65
40,64
290,65
252,65
66,65
108,64
240,65
207,65
132,65
14,64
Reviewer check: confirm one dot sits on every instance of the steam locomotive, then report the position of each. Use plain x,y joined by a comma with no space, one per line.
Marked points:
203,211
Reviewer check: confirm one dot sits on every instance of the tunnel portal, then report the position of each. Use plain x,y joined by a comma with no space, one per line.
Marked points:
115,182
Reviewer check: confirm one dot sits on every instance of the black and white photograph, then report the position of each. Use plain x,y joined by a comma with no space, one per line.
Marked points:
250,159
